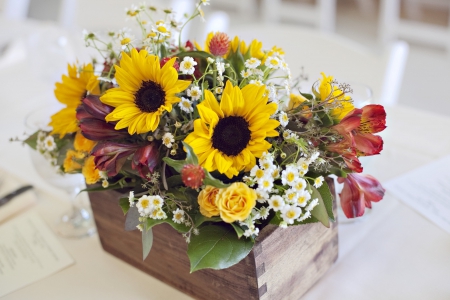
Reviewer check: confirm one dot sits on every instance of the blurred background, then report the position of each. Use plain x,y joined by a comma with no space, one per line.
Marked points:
423,67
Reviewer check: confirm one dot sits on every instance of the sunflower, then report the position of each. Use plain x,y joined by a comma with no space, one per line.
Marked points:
229,136
73,88
145,91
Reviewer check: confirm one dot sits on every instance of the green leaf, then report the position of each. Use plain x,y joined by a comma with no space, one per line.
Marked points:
210,180
199,219
238,229
217,247
327,121
175,180
176,164
307,96
32,140
320,212
178,227
327,198
124,204
147,241
191,157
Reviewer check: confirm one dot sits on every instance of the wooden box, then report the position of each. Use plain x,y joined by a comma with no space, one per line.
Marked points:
284,263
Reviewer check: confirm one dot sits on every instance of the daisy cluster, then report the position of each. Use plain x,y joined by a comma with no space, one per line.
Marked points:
46,145
286,191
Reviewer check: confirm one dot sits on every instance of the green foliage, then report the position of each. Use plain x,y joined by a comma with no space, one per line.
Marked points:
210,180
217,247
320,212
178,227
199,219
191,157
176,164
147,241
238,229
327,198
124,204
32,140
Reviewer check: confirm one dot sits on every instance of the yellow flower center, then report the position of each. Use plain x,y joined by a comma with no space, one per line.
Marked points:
290,214
186,104
145,203
178,216
290,177
259,173
187,64
125,41
301,200
151,34
291,196
274,62
161,29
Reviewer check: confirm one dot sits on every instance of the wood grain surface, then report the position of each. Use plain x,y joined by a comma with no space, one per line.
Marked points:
284,263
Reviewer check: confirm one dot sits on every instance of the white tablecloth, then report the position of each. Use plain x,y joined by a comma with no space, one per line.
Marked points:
394,253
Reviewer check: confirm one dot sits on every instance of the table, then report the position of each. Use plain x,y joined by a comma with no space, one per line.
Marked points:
393,254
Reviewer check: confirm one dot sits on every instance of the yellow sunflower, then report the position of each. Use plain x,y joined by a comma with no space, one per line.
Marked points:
145,91
73,88
229,136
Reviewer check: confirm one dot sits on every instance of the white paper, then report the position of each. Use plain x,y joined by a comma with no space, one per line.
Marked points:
427,190
29,251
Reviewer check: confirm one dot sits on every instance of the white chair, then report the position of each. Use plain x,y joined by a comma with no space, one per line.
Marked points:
322,14
346,60
392,27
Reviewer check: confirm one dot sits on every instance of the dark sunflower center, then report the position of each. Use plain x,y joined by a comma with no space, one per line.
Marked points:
149,97
231,135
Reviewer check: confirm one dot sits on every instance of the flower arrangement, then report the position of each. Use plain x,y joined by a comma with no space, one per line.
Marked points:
215,140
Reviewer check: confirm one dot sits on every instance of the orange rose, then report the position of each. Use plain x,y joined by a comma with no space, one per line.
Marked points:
207,201
235,203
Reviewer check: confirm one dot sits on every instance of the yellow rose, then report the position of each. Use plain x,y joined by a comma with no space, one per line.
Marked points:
235,203
90,171
83,144
207,201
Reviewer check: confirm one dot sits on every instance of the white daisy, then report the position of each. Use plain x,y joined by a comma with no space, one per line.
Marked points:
314,202
156,201
205,2
219,90
303,165
289,175
178,216
264,212
302,198
290,212
257,82
251,231
276,171
185,105
246,73
283,118
220,66
105,184
276,203
290,195
161,28
194,92
305,216
131,198
273,62
257,172
252,63
265,183
144,205
49,143
261,196
300,184
168,139
187,66
318,181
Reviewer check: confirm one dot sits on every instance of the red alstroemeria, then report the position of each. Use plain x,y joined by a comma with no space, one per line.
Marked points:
110,157
348,153
348,125
91,120
367,144
373,119
145,160
358,192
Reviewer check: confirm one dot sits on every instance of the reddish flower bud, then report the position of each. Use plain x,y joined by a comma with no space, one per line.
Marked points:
163,61
192,175
219,44
189,46
145,160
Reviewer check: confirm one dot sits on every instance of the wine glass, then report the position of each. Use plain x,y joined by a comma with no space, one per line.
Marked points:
78,221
